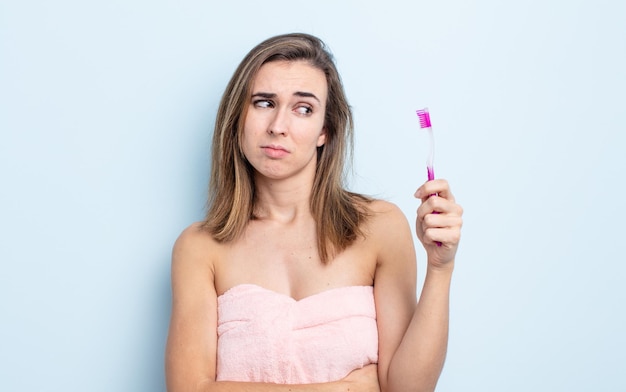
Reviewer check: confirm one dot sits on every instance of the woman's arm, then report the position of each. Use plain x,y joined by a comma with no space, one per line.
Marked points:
361,380
192,339
413,337
190,358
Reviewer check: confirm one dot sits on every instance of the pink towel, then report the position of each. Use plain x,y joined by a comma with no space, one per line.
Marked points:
265,336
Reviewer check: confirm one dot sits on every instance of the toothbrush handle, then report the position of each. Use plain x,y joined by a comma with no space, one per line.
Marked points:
431,176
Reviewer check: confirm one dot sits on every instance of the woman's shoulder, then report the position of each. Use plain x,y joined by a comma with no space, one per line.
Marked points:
389,233
383,210
194,244
384,217
194,235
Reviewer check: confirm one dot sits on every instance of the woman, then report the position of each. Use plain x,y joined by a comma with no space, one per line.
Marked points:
293,283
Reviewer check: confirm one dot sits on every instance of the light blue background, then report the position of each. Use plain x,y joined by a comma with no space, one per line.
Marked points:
106,110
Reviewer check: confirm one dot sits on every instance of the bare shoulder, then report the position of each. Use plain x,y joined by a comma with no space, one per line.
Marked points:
380,206
194,245
385,218
193,270
389,232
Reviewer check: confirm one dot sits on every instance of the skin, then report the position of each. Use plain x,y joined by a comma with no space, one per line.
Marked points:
283,127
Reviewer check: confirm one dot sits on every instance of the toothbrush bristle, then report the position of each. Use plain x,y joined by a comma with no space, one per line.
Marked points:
424,117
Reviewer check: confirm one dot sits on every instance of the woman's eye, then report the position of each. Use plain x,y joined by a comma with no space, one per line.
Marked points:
304,110
263,104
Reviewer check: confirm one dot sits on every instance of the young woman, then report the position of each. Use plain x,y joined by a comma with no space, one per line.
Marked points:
293,283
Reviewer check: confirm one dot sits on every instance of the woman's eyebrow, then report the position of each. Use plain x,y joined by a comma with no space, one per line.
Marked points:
304,94
307,95
264,95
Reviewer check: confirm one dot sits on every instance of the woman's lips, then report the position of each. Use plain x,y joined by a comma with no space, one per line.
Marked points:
273,151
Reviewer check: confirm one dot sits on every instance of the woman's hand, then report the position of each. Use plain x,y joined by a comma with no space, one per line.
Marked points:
364,379
438,223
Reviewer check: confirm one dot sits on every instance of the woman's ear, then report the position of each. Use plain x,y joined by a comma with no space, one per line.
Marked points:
321,139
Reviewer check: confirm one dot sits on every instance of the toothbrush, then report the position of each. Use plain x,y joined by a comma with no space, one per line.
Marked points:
424,118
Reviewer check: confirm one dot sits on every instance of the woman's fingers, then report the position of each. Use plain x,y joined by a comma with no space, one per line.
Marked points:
441,221
438,187
445,234
446,221
439,218
439,205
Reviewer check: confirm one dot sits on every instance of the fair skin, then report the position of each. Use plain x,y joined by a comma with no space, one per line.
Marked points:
283,127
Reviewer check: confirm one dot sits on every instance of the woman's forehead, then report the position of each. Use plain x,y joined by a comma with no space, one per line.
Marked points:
288,77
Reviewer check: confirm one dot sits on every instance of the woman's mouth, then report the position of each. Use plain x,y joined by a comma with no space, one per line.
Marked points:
274,151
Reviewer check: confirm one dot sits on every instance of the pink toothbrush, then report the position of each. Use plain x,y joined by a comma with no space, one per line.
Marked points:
424,118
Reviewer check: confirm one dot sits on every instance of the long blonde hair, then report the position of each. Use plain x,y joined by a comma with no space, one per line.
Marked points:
338,213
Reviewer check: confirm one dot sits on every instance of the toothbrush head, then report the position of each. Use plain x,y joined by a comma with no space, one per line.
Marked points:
424,118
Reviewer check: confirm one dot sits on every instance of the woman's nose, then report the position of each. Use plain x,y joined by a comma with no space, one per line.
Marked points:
279,124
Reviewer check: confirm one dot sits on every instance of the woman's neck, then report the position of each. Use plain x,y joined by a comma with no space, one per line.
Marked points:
282,201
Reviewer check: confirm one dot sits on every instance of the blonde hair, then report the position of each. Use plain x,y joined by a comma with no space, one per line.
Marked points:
338,213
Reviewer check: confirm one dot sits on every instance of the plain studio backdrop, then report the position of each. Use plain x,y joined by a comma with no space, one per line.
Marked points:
106,115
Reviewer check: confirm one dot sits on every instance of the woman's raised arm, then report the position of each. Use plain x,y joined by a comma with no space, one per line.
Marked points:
413,336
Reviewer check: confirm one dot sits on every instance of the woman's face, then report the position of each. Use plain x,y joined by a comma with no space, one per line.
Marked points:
284,124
